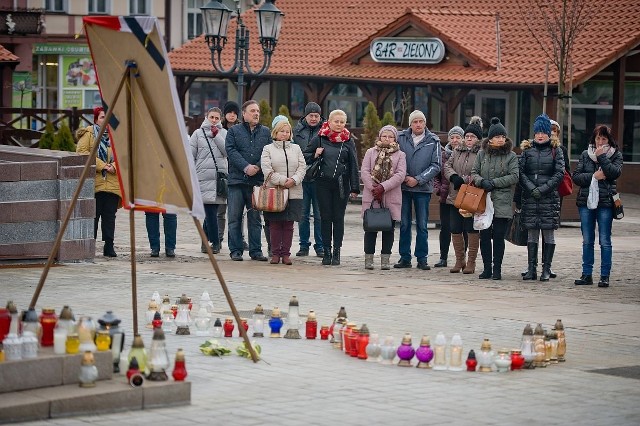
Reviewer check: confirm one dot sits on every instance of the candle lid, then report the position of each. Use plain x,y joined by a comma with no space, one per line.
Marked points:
528,331
158,334
48,311
425,341
258,310
364,330
293,301
217,323
406,339
137,342
12,307
184,300
275,313
342,313
180,355
486,345
559,325
87,358
312,316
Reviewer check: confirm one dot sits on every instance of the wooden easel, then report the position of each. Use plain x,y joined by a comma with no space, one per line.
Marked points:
132,75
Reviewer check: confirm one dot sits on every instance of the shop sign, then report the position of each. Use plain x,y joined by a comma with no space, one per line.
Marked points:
60,49
407,50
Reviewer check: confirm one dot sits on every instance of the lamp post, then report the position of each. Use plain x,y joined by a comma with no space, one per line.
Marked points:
216,17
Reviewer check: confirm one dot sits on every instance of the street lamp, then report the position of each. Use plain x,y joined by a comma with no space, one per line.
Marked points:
216,17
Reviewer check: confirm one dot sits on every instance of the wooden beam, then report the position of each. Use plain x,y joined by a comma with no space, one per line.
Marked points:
617,121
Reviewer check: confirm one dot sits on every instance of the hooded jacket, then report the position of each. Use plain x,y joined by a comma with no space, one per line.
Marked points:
205,166
501,166
540,168
612,168
440,182
244,148
108,183
423,159
460,163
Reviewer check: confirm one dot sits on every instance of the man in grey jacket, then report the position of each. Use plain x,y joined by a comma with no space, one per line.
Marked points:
423,152
244,144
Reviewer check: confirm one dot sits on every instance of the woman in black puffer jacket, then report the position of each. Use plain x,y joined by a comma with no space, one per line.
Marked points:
541,171
603,162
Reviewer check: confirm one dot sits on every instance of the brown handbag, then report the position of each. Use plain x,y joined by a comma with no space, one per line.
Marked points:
471,199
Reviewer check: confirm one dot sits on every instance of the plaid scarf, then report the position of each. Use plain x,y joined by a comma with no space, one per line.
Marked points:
103,149
334,137
382,169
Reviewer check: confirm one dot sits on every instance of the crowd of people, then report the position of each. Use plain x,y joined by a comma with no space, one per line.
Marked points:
400,171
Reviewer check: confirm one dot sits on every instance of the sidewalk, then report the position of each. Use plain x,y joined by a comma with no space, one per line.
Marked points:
308,382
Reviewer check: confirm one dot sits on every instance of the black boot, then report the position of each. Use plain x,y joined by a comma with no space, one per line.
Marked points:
584,280
546,261
326,259
486,273
108,249
532,251
335,260
551,274
497,272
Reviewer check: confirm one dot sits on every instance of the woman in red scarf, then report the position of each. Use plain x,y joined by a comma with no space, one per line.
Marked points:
338,179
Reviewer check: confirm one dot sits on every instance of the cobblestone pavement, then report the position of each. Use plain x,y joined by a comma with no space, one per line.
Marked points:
308,382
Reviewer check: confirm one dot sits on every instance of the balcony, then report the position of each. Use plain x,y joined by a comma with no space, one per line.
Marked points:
21,22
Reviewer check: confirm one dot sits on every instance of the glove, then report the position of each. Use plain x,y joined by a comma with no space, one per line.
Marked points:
487,185
457,181
535,193
378,191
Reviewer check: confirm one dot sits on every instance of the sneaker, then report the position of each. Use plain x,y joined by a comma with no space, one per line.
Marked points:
170,253
604,281
303,252
237,257
155,252
402,264
424,266
584,280
259,257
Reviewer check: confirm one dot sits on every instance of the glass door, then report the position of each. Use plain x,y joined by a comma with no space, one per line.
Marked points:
493,104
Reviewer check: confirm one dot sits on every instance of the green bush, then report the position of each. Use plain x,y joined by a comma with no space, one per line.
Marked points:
387,119
48,138
265,113
283,110
64,139
372,126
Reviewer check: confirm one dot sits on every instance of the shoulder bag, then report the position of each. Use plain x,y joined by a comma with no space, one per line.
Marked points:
222,187
566,184
471,199
377,219
273,199
618,208
516,232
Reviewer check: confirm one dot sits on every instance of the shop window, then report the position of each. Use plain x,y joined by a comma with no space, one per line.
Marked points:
139,7
194,18
204,95
55,5
349,98
298,103
100,6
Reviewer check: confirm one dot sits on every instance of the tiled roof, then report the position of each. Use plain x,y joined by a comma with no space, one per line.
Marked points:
6,56
327,39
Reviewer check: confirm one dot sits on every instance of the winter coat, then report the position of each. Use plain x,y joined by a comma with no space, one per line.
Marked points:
423,159
501,166
441,183
392,198
338,159
460,163
612,168
303,133
539,169
273,160
244,148
205,166
86,142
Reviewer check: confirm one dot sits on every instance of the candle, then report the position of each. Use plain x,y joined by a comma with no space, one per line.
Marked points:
59,340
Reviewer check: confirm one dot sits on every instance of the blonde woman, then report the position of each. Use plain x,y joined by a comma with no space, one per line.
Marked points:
283,164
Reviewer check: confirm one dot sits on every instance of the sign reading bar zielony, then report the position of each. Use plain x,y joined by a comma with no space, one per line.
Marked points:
412,50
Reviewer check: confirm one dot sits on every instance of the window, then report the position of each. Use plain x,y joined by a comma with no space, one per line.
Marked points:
194,18
55,5
139,7
204,95
99,6
349,98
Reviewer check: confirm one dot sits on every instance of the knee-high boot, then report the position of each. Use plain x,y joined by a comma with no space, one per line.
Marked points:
546,261
474,244
532,260
458,247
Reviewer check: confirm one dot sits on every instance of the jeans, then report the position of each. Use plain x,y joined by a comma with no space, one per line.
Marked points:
387,241
419,201
603,216
211,220
239,198
170,223
310,200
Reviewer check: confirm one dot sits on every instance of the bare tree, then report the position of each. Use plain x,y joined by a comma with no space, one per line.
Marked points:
556,25
403,106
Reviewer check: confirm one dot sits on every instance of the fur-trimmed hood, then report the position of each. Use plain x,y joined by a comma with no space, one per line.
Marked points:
504,149
528,143
462,147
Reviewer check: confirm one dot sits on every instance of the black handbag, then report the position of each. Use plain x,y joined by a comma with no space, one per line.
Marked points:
222,184
313,170
377,219
516,232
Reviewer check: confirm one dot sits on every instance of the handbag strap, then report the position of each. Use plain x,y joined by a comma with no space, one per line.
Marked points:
211,151
338,159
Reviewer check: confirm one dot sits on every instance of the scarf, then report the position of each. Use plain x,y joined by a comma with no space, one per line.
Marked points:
592,152
334,137
382,168
103,149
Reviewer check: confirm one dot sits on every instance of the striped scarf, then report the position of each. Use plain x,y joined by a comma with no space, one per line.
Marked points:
103,149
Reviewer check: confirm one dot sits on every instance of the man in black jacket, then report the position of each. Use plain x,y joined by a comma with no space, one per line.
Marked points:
244,144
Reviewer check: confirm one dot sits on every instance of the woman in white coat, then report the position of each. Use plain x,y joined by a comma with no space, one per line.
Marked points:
283,164
210,157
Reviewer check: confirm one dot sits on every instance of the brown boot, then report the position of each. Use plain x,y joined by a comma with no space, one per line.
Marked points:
458,247
474,244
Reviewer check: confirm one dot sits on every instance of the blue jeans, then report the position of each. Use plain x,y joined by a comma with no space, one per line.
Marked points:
170,222
419,201
239,198
309,200
603,216
211,222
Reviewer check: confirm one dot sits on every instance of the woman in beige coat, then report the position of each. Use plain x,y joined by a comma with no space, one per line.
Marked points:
283,164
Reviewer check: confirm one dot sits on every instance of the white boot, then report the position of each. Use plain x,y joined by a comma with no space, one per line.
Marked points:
368,261
384,262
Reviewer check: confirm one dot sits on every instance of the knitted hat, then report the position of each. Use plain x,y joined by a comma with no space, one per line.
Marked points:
96,113
277,119
496,128
311,108
389,128
555,123
475,127
415,115
230,106
455,130
542,124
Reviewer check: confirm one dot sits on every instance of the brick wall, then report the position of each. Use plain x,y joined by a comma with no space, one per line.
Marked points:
36,187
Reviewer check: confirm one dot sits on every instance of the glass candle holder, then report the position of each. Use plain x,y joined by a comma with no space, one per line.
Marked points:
440,354
324,332
405,351
503,360
455,353
363,342
103,340
517,360
373,348
48,320
424,353
387,351
72,344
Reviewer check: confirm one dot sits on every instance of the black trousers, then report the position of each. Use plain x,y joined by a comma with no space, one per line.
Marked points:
495,232
445,229
106,208
459,223
332,210
387,241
